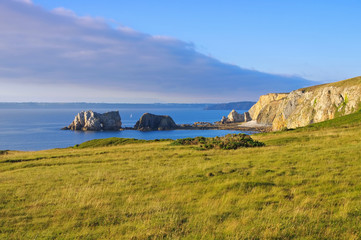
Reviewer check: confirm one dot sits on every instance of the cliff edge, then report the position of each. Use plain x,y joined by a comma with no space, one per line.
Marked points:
308,105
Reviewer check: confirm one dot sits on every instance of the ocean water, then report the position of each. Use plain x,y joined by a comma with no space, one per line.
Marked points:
38,128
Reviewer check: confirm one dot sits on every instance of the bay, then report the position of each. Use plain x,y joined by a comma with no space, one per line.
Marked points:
38,128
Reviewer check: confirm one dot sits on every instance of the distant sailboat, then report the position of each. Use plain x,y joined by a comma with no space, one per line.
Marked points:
131,115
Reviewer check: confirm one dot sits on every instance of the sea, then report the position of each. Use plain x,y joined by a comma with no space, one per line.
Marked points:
35,126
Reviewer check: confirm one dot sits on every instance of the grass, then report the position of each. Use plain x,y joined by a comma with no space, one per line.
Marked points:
341,84
304,184
106,142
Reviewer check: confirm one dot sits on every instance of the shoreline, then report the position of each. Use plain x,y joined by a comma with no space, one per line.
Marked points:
248,126
228,126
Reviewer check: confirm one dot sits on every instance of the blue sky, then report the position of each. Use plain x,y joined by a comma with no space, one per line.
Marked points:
173,51
317,40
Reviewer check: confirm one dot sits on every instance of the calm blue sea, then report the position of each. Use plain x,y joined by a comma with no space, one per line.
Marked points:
38,128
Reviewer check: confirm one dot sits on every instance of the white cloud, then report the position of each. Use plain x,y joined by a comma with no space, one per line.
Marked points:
58,48
64,12
25,1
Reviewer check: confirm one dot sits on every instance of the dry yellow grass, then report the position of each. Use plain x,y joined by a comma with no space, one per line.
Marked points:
305,184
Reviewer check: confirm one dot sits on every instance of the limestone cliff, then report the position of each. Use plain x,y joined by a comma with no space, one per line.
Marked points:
93,121
309,105
263,101
149,122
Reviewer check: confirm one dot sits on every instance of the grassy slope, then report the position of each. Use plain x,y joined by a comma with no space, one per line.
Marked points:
344,83
304,184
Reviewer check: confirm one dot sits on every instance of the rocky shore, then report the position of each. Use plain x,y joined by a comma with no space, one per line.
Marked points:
111,121
227,126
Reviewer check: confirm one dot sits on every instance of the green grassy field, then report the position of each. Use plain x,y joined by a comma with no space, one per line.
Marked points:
304,184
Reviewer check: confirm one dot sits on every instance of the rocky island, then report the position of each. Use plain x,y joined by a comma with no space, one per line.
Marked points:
152,122
93,121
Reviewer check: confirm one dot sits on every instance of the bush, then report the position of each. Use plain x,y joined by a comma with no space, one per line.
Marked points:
3,152
230,141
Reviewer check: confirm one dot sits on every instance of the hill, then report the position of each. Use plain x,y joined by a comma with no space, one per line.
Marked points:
308,105
303,184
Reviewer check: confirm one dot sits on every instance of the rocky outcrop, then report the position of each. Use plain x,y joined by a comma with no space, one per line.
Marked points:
310,105
234,117
150,122
224,120
92,121
263,101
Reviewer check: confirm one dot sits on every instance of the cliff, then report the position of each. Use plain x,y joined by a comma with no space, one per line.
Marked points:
263,101
93,121
308,105
149,122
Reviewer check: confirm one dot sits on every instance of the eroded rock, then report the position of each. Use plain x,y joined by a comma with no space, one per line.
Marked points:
151,122
309,105
234,117
263,101
93,121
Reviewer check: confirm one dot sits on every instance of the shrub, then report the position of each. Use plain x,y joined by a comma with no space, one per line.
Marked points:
3,152
230,141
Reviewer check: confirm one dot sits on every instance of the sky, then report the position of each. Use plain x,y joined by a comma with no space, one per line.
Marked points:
173,51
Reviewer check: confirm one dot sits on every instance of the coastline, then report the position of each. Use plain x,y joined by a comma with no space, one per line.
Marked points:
247,126
228,126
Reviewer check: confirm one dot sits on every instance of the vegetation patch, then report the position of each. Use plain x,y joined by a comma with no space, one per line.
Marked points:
3,152
347,82
230,141
114,142
340,84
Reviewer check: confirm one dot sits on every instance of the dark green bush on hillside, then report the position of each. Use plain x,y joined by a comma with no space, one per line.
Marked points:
3,152
230,141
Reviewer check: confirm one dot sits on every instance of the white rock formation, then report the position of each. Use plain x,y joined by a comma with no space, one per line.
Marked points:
309,105
92,121
234,116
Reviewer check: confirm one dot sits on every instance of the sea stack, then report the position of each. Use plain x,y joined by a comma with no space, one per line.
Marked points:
151,122
93,121
234,117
